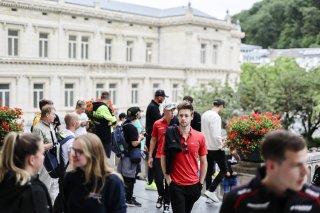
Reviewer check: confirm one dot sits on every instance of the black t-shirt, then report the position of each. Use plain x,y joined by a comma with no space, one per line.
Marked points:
130,133
152,115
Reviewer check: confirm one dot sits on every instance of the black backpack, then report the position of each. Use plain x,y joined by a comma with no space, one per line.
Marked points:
55,167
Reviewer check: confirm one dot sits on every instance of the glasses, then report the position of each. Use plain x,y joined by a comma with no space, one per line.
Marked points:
75,151
186,150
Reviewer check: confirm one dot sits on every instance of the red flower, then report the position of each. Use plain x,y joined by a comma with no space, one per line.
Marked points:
246,132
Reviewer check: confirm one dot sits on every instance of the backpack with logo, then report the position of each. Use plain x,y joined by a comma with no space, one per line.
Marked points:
119,145
53,161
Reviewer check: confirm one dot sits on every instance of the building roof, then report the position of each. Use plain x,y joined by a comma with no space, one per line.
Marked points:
139,9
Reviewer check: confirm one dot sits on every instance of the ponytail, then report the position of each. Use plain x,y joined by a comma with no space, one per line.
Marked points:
17,147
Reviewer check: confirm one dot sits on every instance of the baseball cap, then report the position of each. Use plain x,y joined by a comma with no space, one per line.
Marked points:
160,92
219,102
122,115
132,113
169,106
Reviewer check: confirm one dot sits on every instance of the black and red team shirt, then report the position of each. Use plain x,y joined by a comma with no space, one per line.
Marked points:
254,197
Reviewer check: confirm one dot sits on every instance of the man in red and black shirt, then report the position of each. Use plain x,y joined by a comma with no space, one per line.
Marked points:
184,183
279,185
158,132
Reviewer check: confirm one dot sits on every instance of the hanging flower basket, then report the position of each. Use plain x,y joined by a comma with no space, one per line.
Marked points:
245,133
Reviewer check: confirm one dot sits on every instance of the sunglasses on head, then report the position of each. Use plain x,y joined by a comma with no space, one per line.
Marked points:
185,145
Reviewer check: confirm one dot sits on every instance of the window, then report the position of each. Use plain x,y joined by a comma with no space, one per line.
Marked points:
4,95
72,46
37,94
107,51
134,93
155,87
13,42
129,51
99,89
175,90
85,47
43,45
149,53
203,53
113,93
215,54
68,95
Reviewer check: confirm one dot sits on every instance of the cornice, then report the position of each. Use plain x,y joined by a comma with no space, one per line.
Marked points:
109,15
102,66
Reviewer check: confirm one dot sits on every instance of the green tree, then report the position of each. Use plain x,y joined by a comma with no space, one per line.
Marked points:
285,88
281,24
204,96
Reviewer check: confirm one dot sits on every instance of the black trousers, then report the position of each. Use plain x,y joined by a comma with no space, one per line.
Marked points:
219,157
184,197
151,174
162,186
107,149
129,185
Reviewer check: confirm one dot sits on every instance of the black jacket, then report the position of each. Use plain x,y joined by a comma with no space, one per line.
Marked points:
152,114
172,146
33,197
103,129
78,199
254,197
196,121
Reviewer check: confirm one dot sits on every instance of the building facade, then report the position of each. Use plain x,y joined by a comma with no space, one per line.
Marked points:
66,50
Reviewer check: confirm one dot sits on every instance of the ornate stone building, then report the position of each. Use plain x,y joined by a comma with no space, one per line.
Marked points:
67,50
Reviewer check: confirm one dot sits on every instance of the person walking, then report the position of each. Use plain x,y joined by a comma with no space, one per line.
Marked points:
104,119
184,183
211,128
45,130
152,115
127,166
158,132
92,185
279,185
20,189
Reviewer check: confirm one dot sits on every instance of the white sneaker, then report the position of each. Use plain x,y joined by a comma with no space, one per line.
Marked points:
212,196
209,201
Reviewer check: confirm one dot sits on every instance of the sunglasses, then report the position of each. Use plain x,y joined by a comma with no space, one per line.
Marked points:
185,145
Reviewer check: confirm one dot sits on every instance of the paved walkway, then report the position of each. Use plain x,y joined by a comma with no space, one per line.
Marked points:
148,199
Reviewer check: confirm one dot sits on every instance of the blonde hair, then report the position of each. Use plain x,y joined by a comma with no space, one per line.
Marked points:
97,168
69,118
17,147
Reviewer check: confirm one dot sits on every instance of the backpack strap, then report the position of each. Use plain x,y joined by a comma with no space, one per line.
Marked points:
66,139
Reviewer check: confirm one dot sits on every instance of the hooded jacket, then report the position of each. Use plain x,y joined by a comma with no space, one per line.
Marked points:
102,115
33,197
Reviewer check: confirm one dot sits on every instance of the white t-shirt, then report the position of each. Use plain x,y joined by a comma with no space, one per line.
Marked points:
82,130
211,128
66,147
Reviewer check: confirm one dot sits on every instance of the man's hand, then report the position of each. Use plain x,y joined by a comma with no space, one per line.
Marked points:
48,146
150,162
168,179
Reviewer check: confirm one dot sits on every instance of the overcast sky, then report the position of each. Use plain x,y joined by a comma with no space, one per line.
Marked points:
215,8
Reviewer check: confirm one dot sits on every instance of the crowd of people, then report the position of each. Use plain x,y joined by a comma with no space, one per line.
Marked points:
184,151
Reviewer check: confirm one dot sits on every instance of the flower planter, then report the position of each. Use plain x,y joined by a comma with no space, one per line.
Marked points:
253,156
245,134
